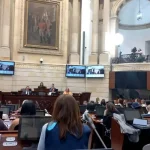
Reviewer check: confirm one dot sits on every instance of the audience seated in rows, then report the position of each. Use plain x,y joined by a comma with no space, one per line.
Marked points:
66,129
28,108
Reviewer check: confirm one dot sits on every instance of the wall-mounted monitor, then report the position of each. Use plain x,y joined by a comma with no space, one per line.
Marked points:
7,67
94,71
75,71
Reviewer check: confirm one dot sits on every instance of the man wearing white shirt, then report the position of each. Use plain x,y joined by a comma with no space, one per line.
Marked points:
27,91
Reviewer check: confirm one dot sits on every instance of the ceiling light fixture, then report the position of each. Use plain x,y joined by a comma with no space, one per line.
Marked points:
139,15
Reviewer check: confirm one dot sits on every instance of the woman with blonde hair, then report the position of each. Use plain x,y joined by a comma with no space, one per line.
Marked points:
65,131
67,92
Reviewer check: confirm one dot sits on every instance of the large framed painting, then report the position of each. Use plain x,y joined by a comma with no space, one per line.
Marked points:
41,24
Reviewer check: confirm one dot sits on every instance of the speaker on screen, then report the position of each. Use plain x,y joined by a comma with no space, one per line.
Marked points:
95,71
75,71
7,67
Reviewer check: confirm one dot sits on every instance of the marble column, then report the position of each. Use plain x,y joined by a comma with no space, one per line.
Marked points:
93,58
74,56
104,57
5,30
113,31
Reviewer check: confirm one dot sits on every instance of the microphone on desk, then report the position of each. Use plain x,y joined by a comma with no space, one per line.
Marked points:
38,106
88,119
47,112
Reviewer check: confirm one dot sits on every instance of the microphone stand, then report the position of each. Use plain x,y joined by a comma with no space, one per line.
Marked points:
100,138
88,119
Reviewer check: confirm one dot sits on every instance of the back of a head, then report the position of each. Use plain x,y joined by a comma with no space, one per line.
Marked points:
110,107
91,106
103,103
66,112
28,108
120,101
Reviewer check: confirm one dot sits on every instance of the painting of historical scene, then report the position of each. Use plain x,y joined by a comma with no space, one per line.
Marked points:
41,24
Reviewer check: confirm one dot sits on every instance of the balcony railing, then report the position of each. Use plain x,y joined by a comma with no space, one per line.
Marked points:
131,58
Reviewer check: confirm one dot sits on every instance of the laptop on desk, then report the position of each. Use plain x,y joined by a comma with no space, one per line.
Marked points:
141,124
133,117
130,115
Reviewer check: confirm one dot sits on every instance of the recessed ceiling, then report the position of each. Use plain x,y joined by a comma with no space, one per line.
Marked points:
128,12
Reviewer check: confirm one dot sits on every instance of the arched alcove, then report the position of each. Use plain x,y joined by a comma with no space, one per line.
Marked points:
136,33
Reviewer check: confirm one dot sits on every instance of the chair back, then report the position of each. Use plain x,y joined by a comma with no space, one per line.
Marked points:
146,147
147,102
1,114
100,111
82,108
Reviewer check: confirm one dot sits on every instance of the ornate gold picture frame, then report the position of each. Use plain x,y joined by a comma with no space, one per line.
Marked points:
41,24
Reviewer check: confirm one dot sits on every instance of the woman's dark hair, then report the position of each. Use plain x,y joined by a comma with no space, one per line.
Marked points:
28,108
110,107
66,112
103,103
120,101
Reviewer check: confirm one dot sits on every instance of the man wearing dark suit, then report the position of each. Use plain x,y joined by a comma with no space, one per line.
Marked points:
26,91
52,89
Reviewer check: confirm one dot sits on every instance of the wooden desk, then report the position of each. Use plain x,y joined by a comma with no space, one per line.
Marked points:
45,102
117,138
4,135
20,144
120,141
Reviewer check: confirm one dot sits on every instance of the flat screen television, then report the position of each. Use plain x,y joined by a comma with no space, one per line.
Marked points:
94,71
7,67
75,71
131,80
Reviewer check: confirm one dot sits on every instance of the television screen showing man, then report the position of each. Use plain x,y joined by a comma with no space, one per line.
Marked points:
75,71
94,71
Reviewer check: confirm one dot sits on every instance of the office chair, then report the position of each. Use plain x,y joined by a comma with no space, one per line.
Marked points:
146,147
16,127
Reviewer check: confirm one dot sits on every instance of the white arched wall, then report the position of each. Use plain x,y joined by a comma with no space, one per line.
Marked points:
135,33
114,24
134,38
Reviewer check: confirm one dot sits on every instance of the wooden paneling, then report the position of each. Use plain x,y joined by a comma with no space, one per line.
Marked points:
148,80
111,80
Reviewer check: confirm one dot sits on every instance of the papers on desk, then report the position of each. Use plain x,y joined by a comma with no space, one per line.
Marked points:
7,123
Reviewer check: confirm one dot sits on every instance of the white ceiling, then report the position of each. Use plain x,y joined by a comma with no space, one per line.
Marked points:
128,12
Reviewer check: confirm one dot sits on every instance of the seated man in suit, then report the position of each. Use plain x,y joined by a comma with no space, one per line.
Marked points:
52,89
26,91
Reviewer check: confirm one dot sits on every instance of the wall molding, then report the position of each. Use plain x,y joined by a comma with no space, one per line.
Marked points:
131,67
134,27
